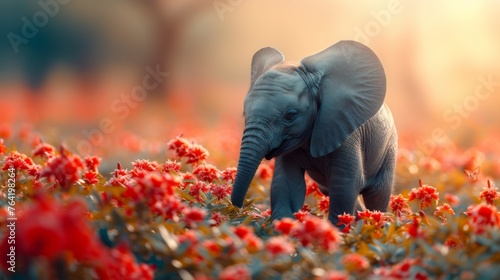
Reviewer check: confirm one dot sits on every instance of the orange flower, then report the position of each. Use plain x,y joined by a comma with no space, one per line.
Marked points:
441,210
399,206
355,262
376,218
425,194
253,243
490,194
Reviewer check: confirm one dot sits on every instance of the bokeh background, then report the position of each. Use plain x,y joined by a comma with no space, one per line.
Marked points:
83,59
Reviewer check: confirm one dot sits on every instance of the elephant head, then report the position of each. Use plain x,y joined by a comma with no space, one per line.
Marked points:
316,104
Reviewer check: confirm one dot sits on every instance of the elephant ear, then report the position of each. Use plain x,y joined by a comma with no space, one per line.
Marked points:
351,86
263,60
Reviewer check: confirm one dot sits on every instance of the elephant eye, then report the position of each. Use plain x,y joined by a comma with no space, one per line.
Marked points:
290,115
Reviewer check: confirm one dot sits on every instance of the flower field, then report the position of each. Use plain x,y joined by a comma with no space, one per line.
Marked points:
173,219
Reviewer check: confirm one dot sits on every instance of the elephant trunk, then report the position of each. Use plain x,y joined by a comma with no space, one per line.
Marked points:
253,149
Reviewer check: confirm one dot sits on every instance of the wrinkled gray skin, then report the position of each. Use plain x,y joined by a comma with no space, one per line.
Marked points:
325,117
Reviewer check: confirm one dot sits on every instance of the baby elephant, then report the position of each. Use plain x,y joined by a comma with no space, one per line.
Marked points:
325,116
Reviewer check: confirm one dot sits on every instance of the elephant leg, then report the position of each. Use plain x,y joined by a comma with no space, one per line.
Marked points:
345,183
377,193
288,188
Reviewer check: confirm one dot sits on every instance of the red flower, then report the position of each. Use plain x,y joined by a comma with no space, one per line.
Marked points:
235,272
490,194
187,179
301,215
49,229
179,145
242,231
92,163
355,262
229,174
376,218
324,204
346,220
306,208
171,166
414,230
217,218
120,177
63,169
313,188
441,210
91,177
206,172
193,215
196,154
401,270
168,207
399,206
253,244
143,166
482,217
317,232
263,214
195,190
212,247
284,225
220,191
18,161
124,266
279,245
425,194
43,150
